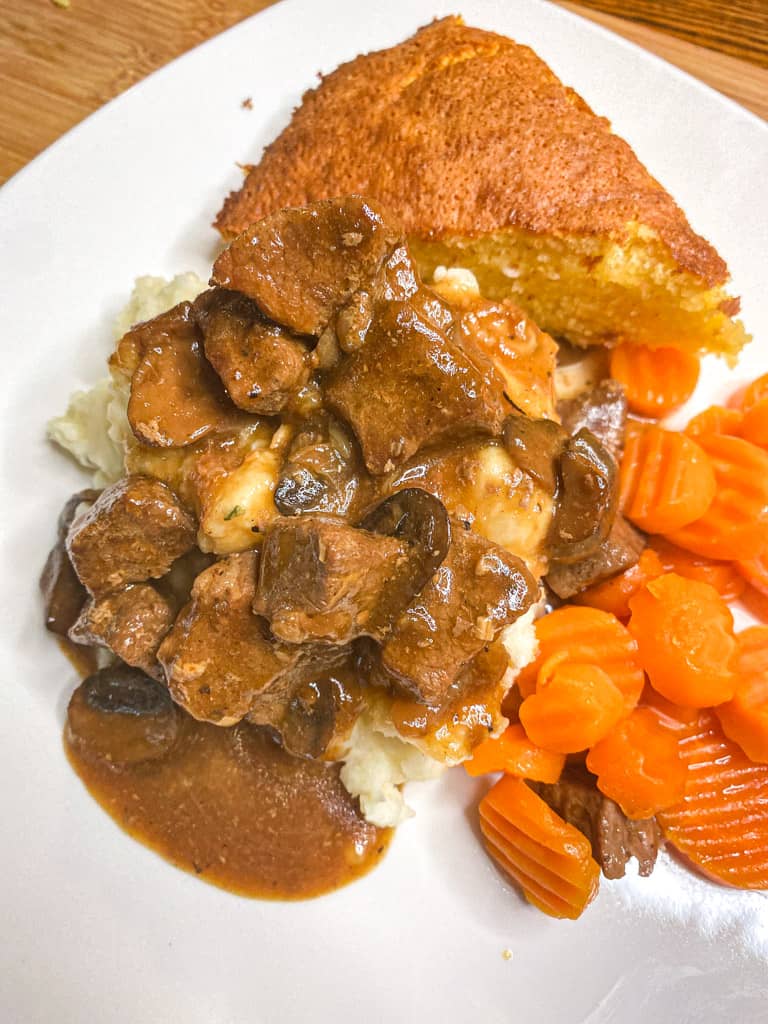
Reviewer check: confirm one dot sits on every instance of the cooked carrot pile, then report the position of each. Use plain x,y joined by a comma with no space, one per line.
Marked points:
745,718
549,859
725,577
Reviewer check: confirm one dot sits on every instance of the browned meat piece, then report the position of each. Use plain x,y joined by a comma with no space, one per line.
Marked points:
620,550
409,385
603,410
134,531
218,657
176,398
320,579
261,364
63,593
477,590
536,446
587,496
302,265
614,837
131,622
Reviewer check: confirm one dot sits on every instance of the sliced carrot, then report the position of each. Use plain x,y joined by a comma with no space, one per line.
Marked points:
755,572
550,860
745,718
717,419
684,631
665,479
754,392
613,595
754,426
736,399
723,576
756,603
721,824
515,754
657,381
735,526
586,636
638,765
672,716
574,710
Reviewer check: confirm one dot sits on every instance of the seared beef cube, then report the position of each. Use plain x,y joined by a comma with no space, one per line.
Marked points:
409,385
301,265
614,837
131,622
134,531
321,579
619,551
479,589
218,657
261,364
63,593
603,410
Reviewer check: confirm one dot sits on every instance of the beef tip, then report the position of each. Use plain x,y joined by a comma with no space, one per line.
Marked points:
619,551
535,446
131,622
261,364
321,579
301,265
614,837
323,472
176,398
134,531
121,715
602,410
586,500
478,589
219,656
410,384
63,593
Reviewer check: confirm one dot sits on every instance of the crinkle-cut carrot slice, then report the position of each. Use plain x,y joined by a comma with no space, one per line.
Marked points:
753,393
514,753
666,479
717,419
656,381
754,426
735,526
756,603
576,708
745,718
613,595
673,716
721,823
550,860
587,636
725,577
755,572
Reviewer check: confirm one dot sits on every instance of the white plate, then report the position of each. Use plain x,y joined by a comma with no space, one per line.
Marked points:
94,926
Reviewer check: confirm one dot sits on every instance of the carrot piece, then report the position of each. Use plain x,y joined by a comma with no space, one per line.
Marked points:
665,479
684,631
735,526
672,716
638,765
725,577
656,380
586,636
754,392
756,603
754,426
613,595
745,718
755,572
550,860
576,708
512,752
720,825
717,419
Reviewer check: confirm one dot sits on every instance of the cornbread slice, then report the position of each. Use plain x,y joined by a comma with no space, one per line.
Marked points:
492,164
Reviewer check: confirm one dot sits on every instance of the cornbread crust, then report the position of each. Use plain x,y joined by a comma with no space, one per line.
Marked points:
462,132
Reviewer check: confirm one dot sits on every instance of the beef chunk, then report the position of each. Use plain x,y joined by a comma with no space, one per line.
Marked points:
409,385
134,531
603,410
586,500
619,551
131,622
477,590
63,593
261,364
301,265
176,398
321,579
614,837
219,656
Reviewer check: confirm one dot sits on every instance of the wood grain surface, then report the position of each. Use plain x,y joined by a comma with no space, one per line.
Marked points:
60,63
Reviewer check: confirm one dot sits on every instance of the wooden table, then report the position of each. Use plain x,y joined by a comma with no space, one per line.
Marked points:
61,59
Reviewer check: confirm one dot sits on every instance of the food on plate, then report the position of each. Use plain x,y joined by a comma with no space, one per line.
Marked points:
492,164
376,502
